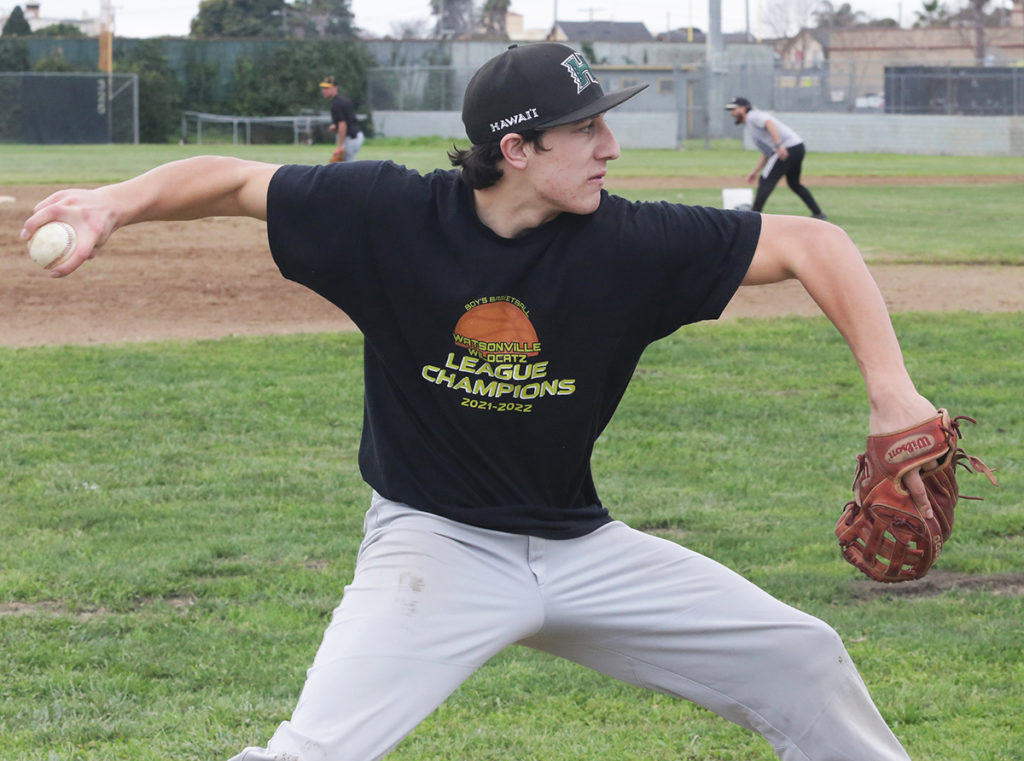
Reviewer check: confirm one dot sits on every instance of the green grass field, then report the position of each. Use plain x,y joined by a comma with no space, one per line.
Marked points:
87,164
178,519
947,221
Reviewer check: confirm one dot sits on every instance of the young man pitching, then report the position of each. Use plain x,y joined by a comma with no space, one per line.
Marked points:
504,306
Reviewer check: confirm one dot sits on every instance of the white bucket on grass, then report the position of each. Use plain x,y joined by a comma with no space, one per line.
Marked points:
740,199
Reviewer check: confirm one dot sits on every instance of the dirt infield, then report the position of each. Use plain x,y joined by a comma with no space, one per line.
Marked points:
215,277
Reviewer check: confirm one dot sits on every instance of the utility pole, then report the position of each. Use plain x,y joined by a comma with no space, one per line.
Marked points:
106,62
713,54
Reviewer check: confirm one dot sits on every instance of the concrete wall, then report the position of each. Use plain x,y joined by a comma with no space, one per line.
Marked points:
418,124
633,130
901,133
827,133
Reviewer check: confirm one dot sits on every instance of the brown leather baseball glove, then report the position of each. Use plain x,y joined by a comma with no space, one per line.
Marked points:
337,155
881,531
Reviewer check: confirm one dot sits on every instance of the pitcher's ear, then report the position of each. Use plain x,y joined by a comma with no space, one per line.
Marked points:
513,148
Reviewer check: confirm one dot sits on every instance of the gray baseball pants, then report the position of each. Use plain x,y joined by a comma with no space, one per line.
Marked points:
432,600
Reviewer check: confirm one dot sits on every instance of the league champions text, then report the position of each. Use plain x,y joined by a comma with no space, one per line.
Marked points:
497,365
478,377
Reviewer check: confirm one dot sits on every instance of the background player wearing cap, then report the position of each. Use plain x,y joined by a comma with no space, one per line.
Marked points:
782,154
504,308
343,123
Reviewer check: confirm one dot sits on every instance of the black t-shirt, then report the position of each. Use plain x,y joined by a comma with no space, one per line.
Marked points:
342,110
492,365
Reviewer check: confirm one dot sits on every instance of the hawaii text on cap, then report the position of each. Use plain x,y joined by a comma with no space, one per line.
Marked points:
534,86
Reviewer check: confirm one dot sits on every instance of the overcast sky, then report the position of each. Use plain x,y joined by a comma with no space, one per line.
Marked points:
153,18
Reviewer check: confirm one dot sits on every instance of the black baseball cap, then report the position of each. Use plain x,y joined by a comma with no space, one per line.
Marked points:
738,102
534,86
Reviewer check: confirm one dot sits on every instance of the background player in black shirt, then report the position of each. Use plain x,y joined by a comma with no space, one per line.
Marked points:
344,123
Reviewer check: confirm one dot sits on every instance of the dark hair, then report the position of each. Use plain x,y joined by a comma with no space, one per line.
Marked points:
479,163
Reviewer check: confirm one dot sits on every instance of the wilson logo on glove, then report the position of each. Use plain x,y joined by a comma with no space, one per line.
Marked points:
881,531
905,449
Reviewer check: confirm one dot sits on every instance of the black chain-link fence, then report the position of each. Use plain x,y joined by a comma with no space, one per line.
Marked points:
871,86
967,90
68,108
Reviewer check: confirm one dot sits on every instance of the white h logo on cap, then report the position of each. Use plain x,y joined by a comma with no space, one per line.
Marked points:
577,66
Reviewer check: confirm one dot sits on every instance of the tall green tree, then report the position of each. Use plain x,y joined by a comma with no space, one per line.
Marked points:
843,16
241,18
16,25
14,55
454,18
64,30
492,18
301,19
159,90
285,81
976,15
883,23
199,91
933,13
55,61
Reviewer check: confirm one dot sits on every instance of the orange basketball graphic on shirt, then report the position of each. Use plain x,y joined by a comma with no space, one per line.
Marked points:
497,330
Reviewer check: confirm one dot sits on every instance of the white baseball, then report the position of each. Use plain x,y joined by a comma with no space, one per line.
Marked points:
52,244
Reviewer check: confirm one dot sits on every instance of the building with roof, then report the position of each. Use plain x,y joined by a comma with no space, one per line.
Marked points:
89,26
600,31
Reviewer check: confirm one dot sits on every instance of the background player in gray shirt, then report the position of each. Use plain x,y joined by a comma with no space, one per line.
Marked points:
782,153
